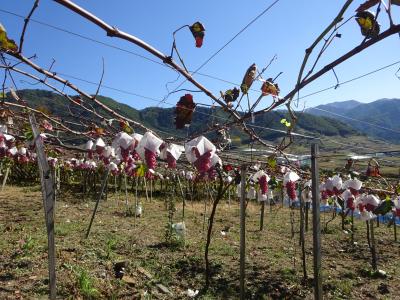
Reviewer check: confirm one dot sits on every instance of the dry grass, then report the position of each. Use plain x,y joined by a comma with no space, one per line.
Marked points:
273,258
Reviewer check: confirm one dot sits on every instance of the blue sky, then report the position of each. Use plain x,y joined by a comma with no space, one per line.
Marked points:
286,30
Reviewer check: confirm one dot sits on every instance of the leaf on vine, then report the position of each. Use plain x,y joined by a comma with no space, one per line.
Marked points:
286,123
141,170
5,42
99,130
271,162
248,78
398,189
28,134
125,127
184,111
369,26
198,30
44,110
270,88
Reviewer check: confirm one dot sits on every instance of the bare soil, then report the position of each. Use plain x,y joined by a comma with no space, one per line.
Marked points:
273,270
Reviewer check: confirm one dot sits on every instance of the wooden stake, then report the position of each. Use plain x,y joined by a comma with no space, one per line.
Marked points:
243,233
373,248
262,215
306,216
183,198
136,201
103,185
145,187
302,239
126,191
47,183
352,227
229,197
5,178
316,223
151,190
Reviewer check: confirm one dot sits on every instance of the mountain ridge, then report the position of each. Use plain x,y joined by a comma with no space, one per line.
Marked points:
162,119
379,119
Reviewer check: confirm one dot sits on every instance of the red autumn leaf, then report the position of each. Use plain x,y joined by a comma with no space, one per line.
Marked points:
184,111
228,168
269,87
197,30
99,131
78,100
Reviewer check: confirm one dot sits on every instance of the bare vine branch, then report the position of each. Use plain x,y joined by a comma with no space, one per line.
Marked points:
26,21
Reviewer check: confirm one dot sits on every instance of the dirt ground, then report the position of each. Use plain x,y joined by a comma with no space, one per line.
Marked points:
273,269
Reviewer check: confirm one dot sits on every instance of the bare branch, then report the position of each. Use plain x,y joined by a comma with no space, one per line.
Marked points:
309,50
115,32
76,89
101,80
26,21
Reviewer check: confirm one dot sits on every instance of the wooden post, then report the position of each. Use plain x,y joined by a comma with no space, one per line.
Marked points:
126,191
151,190
316,223
55,185
103,185
136,201
47,184
145,186
352,227
243,233
395,227
373,247
306,216
5,178
302,238
183,197
205,206
262,215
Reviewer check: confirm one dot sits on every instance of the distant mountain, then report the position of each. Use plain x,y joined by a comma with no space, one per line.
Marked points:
162,119
379,119
334,107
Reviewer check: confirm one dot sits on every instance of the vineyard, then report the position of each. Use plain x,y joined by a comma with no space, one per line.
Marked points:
102,201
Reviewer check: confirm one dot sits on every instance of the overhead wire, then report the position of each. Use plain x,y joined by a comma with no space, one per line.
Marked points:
219,117
354,119
350,80
230,41
193,72
236,35
196,71
225,119
113,46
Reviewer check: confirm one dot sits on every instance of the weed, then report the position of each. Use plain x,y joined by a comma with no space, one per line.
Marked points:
111,246
26,246
86,285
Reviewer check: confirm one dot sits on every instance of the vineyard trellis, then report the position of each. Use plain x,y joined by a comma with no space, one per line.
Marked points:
115,150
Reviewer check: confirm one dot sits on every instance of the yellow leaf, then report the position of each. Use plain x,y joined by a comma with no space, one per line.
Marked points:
141,170
5,42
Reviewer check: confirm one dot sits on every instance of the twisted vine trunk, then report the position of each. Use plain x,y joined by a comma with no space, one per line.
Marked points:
221,192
